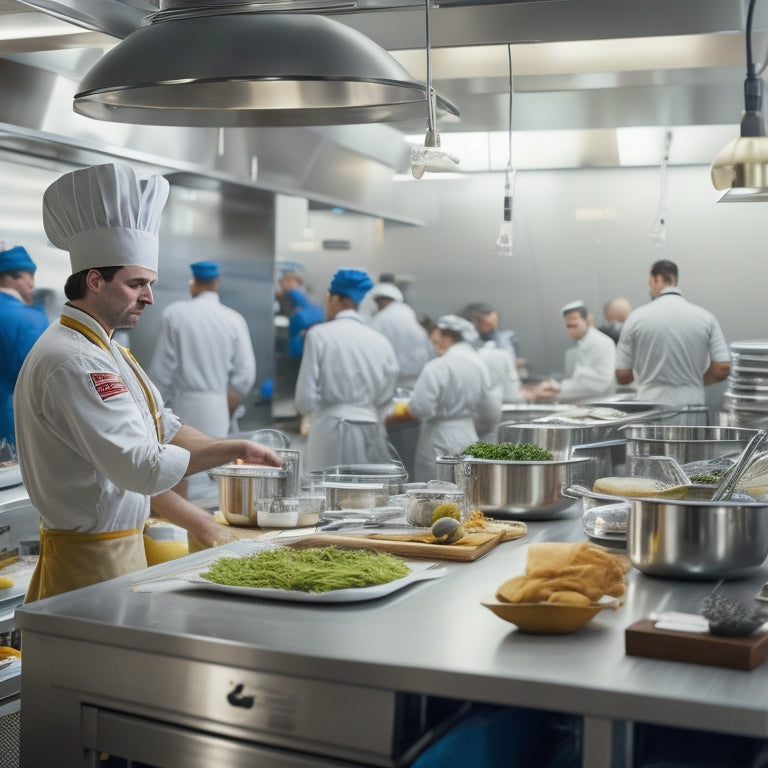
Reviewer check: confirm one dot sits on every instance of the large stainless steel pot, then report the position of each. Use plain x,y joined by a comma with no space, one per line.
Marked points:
684,444
242,486
524,489
693,539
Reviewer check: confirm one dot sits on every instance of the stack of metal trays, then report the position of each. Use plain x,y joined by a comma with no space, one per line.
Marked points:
746,397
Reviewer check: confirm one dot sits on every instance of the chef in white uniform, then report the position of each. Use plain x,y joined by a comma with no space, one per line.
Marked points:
398,322
346,380
203,363
454,396
94,439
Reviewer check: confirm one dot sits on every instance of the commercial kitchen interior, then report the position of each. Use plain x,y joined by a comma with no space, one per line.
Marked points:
600,89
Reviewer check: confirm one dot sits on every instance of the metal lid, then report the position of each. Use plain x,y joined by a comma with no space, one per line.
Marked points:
247,470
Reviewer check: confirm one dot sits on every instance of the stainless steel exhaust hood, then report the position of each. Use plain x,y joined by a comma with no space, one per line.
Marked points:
238,66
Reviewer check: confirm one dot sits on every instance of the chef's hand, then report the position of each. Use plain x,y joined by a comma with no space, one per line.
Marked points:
253,453
206,532
547,389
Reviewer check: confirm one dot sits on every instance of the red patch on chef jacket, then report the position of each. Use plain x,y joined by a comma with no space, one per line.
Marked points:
108,385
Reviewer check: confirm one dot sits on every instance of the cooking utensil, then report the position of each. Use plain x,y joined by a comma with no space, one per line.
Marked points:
523,489
730,617
241,486
733,475
684,443
697,539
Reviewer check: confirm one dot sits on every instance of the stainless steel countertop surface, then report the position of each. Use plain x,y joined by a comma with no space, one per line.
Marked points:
433,637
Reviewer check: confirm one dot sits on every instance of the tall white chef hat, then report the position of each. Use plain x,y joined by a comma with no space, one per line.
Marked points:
105,217
459,325
387,291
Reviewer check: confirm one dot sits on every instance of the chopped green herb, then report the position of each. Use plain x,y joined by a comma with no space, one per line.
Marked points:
319,569
508,452
707,478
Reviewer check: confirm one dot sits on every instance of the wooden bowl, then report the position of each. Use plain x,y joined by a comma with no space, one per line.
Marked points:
544,618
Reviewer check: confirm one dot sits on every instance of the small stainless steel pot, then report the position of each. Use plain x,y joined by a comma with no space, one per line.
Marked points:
694,539
242,485
525,489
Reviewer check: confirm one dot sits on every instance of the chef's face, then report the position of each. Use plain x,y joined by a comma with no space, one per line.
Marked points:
24,284
120,302
576,325
440,341
332,305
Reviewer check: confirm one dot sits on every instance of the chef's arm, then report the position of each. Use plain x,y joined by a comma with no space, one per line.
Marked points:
717,371
196,521
206,452
233,400
625,375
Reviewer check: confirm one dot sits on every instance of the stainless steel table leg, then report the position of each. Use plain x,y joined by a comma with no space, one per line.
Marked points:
597,744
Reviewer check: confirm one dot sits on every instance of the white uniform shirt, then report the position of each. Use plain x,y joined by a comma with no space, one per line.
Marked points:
413,349
594,370
669,344
346,365
87,442
204,346
455,401
503,371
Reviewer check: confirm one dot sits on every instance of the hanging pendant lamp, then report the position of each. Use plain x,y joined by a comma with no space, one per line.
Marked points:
246,68
741,167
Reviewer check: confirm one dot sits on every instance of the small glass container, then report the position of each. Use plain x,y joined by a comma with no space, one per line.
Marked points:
277,513
421,504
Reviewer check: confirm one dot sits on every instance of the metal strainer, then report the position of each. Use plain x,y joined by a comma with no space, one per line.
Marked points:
730,617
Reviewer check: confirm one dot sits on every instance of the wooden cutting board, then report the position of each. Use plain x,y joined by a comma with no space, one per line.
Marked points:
470,547
643,639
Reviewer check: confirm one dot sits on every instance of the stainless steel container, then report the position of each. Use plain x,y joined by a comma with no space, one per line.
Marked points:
241,486
692,539
684,443
292,466
523,489
360,486
446,468
559,438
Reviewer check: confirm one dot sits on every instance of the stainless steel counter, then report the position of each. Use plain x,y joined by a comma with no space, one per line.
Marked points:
176,657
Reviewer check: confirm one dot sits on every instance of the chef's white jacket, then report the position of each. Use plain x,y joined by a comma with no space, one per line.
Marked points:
594,370
88,447
204,350
413,349
455,401
346,379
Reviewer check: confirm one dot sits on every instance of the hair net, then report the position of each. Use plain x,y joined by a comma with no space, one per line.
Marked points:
16,259
354,283
104,216
387,291
459,325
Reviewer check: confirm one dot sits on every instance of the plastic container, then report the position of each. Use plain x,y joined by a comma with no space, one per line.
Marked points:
420,505
278,513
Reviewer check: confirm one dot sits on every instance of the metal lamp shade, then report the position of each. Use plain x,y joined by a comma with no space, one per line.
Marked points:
741,168
250,69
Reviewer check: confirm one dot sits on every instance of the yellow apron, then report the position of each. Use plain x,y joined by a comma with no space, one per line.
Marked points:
70,560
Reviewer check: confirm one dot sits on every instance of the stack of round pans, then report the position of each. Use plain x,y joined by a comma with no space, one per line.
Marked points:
746,397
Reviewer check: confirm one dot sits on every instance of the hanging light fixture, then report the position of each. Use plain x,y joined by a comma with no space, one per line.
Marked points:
741,167
233,64
430,157
504,240
659,228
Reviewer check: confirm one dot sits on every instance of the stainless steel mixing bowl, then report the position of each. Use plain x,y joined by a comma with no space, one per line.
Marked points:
694,539
684,444
524,489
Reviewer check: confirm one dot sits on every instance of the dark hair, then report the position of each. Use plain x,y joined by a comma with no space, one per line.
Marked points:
75,287
667,270
14,273
457,336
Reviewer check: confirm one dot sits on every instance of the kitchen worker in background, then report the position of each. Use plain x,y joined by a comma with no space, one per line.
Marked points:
594,366
398,322
346,379
615,312
504,375
301,312
671,347
203,362
486,321
96,444
453,396
20,326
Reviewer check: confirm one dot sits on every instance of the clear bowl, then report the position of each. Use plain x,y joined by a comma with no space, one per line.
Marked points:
420,504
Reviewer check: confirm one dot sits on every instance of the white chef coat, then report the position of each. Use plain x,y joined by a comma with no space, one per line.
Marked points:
413,349
594,370
87,441
454,399
204,350
346,378
503,373
669,344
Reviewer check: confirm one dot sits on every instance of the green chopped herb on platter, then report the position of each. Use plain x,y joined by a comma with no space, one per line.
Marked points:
508,452
707,478
319,569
